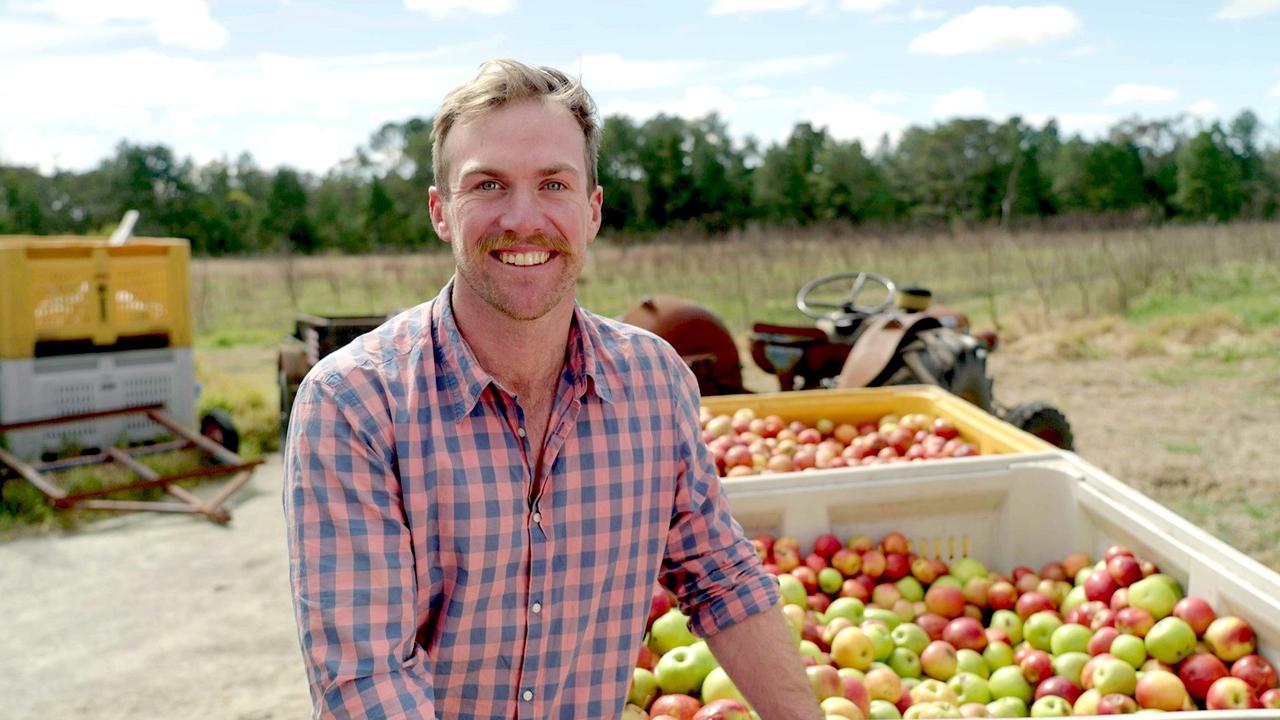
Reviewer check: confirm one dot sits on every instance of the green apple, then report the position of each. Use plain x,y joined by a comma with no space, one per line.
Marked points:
792,590
1114,675
1039,629
1171,583
1075,598
1051,706
967,568
1131,649
911,636
881,640
810,648
1009,682
644,687
997,654
671,630
932,691
1070,638
905,663
1087,703
1010,622
1007,707
1153,595
1171,640
830,580
888,617
849,608
884,710
682,670
971,661
1083,575
946,580
1069,665
910,588
854,673
969,688
718,686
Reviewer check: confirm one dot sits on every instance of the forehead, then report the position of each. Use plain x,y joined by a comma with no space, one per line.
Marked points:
525,134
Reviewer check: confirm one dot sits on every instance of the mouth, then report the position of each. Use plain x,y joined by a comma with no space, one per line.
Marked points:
524,259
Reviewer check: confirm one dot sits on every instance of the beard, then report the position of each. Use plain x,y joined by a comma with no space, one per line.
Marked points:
528,300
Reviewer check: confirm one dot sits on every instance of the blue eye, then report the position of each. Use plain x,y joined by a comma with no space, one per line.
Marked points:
489,185
555,185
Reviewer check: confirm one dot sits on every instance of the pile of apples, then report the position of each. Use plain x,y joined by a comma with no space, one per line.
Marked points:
888,634
744,444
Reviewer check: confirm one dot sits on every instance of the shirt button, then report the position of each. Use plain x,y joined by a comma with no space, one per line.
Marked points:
537,608
537,517
527,695
520,432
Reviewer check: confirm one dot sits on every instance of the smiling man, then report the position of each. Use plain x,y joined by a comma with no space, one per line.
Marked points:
481,493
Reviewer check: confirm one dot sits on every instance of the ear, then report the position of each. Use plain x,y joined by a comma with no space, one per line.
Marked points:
596,203
436,204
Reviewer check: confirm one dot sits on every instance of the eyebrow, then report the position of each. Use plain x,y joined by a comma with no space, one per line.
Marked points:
542,172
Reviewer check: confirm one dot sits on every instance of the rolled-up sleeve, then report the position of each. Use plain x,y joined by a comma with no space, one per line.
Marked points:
351,561
710,564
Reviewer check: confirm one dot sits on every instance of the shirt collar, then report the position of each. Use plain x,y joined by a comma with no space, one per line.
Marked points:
460,374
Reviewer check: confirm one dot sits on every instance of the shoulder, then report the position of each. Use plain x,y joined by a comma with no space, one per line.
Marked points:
373,360
628,345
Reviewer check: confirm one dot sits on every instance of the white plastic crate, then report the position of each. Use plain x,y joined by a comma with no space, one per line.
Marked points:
1014,510
65,385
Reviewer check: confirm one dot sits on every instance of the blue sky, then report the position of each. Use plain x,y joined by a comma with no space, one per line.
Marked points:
303,82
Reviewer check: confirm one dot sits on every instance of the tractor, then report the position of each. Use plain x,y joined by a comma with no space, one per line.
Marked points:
866,332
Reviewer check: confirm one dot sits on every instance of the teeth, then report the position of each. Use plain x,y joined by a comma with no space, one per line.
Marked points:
524,259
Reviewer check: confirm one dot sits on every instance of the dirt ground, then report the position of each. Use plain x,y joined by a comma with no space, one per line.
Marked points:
150,616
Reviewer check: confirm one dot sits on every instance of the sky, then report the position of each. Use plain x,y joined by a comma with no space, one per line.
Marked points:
304,82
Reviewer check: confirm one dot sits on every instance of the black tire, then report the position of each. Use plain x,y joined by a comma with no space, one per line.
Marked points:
1044,421
217,426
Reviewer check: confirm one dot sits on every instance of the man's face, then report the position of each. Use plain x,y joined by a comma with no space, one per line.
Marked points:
518,213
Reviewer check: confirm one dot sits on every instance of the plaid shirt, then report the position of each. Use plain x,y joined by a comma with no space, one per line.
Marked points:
426,585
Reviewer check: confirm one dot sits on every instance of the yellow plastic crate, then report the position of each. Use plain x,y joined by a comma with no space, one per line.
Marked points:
78,289
988,433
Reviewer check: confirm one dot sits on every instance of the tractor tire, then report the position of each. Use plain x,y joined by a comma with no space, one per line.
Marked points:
1044,421
217,426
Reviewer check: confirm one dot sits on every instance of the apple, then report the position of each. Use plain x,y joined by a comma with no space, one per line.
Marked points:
888,617
1230,638
860,543
1125,570
1199,672
841,708
1069,637
807,577
1270,699
924,570
1009,682
883,684
825,546
856,691
998,655
681,707
1160,690
786,558
1196,611
910,588
1059,686
1229,693
938,660
1114,676
883,710
1010,622
930,691
1105,617
852,648
670,631
851,588
911,636
819,601
726,709
846,561
1002,595
792,590
1171,640
1129,648
643,688
1115,550
1051,706
1036,666
1135,621
1032,602
905,663
969,688
718,686
873,563
1101,639
1087,703
1039,629
1100,586
974,710
971,661
830,580
646,658
825,681
945,600
966,568
633,712
1256,671
1119,599
1008,707
682,669
977,591
885,595
1070,665
1116,704
933,624
881,640
965,632
852,609
1153,595
996,635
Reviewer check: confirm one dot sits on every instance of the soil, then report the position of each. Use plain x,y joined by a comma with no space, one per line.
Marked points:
153,616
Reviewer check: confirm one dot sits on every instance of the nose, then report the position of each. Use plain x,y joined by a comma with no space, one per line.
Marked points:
521,214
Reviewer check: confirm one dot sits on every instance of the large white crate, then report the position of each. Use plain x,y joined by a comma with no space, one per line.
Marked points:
47,387
1014,510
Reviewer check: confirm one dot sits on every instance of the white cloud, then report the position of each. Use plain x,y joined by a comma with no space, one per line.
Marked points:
865,5
882,97
183,23
614,72
750,7
1275,91
997,27
800,64
751,92
695,102
1083,51
966,102
1135,94
19,36
1069,123
1243,9
920,14
1203,108
439,9
849,119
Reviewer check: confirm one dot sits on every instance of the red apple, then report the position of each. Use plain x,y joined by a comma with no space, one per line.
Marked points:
1134,621
723,709
1196,612
896,566
873,563
933,624
1117,704
1074,563
1002,595
1160,690
1027,583
1021,570
786,558
681,707
1105,617
924,570
977,591
816,562
819,601
1199,672
1124,569
1033,602
1100,642
1270,699
1115,550
1230,638
1060,686
826,545
645,658
659,603
856,691
1099,586
997,635
1256,671
895,542
846,561
854,589
965,632
1054,571
1229,693
945,600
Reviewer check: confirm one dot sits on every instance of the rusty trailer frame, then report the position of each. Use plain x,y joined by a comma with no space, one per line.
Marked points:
229,463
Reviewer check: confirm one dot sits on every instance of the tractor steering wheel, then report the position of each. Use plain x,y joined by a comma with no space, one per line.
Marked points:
848,305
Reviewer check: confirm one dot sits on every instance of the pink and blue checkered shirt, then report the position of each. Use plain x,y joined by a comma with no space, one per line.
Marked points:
427,585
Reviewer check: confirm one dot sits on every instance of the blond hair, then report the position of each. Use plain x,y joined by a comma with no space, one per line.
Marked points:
503,81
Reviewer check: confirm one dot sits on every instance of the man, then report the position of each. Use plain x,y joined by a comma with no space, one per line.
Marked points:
480,493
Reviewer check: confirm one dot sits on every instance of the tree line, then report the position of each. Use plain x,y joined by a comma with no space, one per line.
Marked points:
669,173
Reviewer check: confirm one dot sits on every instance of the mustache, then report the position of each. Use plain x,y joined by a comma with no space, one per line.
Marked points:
503,241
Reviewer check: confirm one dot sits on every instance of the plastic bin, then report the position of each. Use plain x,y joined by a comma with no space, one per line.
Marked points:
73,295
1014,510
988,433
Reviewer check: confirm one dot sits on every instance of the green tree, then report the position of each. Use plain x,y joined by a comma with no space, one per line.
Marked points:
286,224
1208,178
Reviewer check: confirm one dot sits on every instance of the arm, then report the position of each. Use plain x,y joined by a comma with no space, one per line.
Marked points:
760,656
350,559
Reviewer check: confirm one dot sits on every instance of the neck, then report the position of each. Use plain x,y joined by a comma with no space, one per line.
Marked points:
522,355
